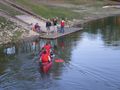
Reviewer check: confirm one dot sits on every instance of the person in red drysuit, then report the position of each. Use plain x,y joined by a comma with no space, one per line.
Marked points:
48,47
45,57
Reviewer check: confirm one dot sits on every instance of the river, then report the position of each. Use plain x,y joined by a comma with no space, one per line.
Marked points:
91,61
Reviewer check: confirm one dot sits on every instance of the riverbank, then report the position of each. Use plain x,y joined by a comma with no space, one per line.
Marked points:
84,13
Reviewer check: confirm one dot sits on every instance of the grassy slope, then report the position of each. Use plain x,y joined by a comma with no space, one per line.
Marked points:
47,11
9,10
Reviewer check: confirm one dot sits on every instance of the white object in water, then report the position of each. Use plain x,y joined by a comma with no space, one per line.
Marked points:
11,50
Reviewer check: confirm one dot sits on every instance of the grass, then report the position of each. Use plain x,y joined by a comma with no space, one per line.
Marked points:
9,10
85,1
47,11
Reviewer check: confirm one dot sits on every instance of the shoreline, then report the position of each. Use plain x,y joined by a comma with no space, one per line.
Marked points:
76,23
31,35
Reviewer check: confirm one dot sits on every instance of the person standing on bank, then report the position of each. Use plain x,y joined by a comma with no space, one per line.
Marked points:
48,25
62,23
55,22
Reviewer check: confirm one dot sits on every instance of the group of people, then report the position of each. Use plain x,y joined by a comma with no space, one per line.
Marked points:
57,26
55,22
45,53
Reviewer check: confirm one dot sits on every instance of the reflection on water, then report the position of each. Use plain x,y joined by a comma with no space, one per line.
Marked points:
91,61
108,28
9,50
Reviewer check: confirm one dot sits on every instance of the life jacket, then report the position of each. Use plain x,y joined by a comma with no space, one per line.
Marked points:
47,47
44,58
62,23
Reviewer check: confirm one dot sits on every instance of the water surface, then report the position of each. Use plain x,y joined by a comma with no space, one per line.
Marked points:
91,61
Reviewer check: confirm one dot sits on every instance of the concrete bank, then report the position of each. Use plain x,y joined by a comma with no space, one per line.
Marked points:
54,35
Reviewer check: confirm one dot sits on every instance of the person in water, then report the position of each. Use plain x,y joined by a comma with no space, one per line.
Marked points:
45,57
48,47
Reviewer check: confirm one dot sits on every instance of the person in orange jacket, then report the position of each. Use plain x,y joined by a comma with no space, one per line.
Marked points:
48,47
45,57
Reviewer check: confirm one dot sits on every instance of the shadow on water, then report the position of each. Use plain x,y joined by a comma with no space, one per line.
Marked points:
91,60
